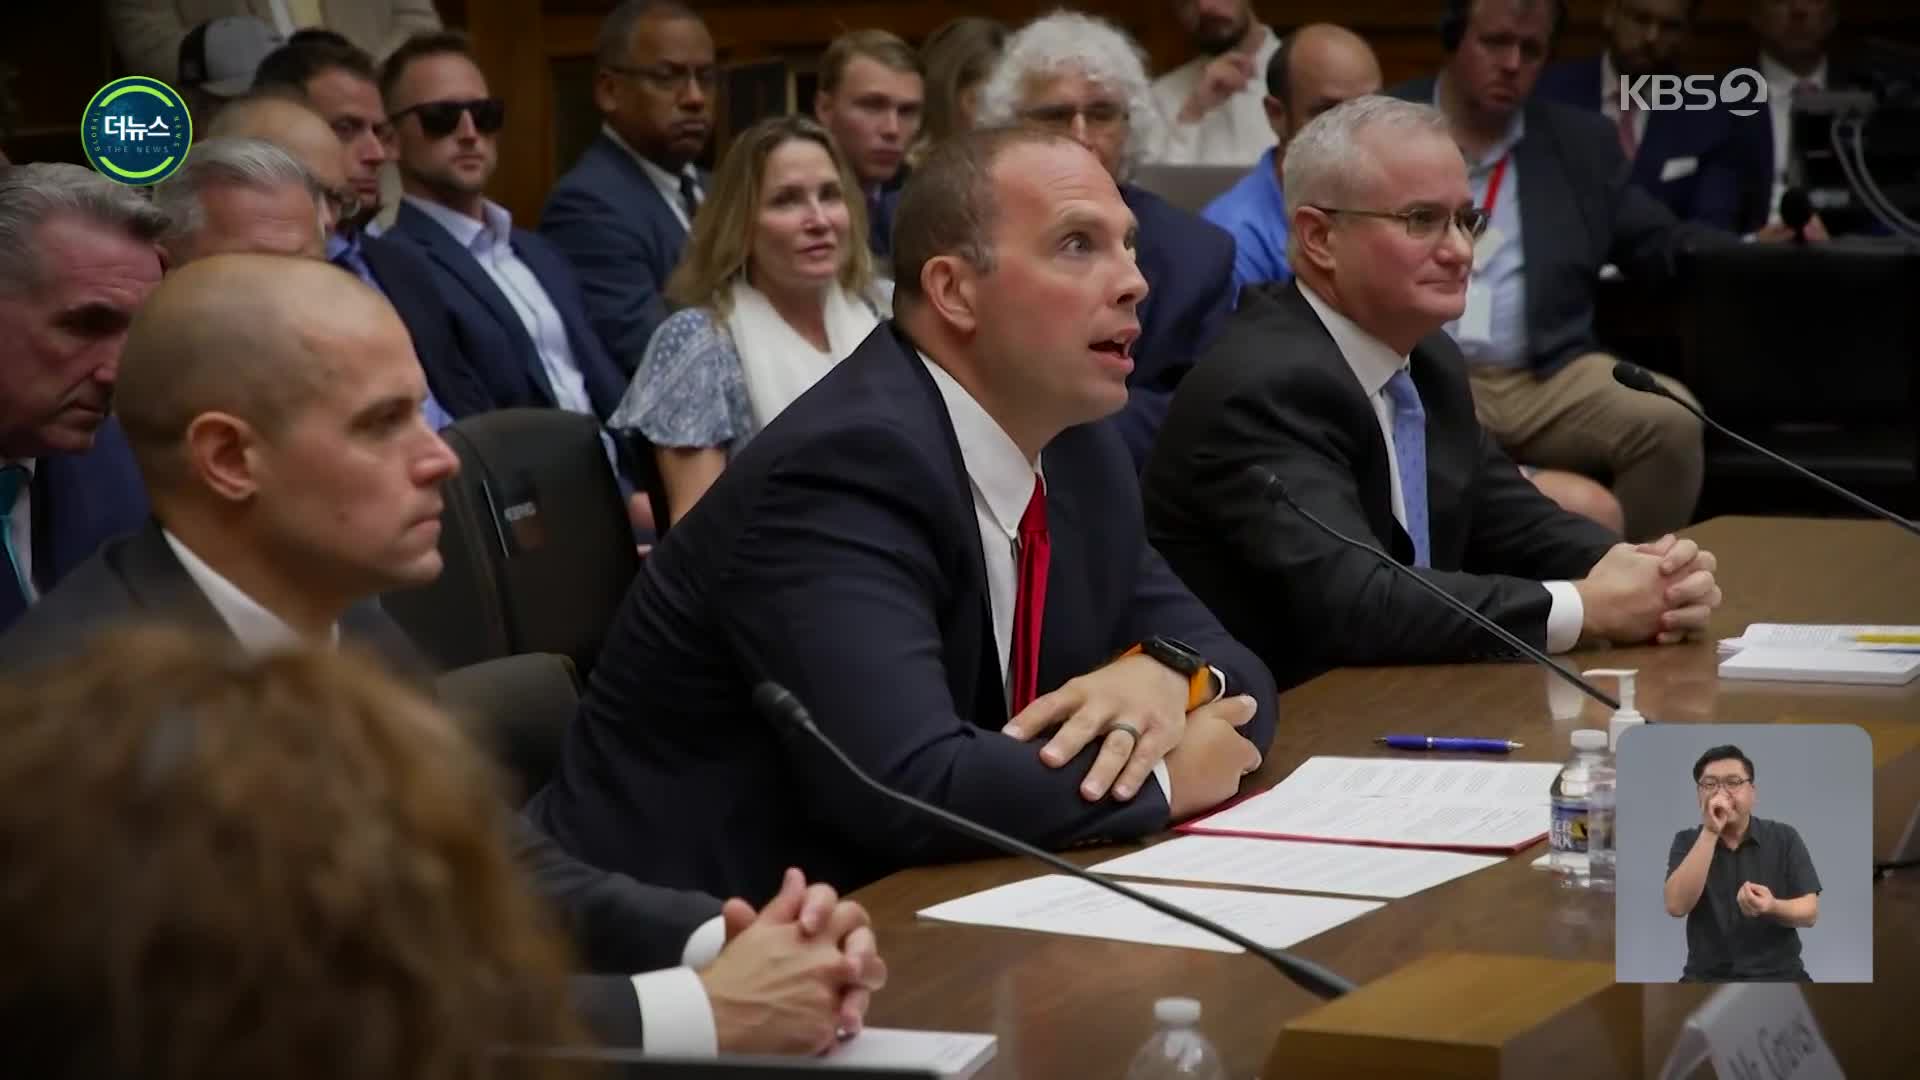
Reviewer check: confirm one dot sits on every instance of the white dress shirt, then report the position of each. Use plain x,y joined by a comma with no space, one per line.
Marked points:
1003,484
668,183
1373,363
675,1014
1235,132
1780,86
490,242
19,526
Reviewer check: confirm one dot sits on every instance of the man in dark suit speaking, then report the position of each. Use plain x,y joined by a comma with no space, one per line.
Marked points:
942,534
1342,384
291,489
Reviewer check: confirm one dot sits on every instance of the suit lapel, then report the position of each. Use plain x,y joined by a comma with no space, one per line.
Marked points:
1545,208
160,585
443,249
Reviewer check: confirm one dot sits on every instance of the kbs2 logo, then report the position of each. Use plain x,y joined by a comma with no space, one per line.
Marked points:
1742,91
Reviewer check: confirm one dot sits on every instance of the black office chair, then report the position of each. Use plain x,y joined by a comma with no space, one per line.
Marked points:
518,707
539,551
1815,352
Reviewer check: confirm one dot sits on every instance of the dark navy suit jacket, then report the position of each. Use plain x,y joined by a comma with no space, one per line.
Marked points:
1706,166
402,273
81,501
839,555
488,330
1578,212
1188,264
623,240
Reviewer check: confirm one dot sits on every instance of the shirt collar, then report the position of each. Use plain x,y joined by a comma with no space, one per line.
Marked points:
998,469
257,629
1609,82
1372,361
340,242
1781,81
26,463
1516,130
495,230
660,176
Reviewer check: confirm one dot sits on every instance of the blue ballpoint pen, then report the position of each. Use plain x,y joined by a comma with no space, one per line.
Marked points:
1436,742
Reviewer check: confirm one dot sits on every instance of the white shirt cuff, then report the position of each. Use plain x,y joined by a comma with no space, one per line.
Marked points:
1565,617
675,1015
1166,785
705,944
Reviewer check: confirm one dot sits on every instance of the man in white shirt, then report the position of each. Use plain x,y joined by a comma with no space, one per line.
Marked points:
1343,386
289,492
1214,104
1793,59
622,213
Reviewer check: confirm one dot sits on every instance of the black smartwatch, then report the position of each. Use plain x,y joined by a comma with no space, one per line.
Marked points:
1184,661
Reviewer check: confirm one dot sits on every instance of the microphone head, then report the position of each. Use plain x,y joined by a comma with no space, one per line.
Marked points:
1796,208
778,704
1270,485
1635,377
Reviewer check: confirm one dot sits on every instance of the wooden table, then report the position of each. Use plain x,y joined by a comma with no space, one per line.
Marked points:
1066,1007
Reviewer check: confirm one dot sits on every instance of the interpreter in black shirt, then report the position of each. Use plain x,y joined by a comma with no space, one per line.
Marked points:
1745,884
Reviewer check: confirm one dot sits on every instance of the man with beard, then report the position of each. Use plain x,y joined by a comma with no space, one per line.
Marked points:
1214,104
1705,165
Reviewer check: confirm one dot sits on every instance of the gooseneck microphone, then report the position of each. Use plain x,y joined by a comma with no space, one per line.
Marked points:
1635,377
1273,488
779,705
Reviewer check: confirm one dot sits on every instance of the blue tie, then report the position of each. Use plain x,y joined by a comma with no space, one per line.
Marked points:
1410,450
13,590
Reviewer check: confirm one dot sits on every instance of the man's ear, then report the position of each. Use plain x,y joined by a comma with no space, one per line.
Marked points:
1276,117
605,96
1312,231
223,453
951,287
822,105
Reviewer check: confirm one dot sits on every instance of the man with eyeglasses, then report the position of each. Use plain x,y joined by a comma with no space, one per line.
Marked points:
1745,885
872,95
622,213
1342,384
1555,187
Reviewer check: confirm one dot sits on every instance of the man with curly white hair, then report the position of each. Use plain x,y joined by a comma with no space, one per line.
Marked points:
1085,78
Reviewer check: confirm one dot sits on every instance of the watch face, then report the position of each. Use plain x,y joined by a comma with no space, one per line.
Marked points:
1175,654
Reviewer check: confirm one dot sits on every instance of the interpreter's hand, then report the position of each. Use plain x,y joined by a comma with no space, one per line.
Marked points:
1624,597
1780,231
1715,815
1224,76
1136,706
1206,768
1755,900
795,973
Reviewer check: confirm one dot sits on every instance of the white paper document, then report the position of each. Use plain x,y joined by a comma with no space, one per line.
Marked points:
1060,904
1843,666
954,1055
1494,806
1816,637
1346,869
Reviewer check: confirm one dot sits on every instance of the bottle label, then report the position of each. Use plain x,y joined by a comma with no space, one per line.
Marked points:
1568,832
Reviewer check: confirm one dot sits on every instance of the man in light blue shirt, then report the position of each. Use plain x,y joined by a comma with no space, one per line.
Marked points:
1315,68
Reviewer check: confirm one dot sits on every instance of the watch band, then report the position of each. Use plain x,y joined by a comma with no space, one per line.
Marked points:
1200,685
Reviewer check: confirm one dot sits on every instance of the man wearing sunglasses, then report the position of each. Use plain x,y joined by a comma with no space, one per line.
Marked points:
517,308
1745,885
1342,384
622,213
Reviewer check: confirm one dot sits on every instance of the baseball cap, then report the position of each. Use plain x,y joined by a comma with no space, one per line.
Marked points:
219,56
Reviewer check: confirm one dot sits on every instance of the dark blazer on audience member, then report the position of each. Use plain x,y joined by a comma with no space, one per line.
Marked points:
610,221
405,277
1722,167
1188,264
1276,391
489,331
620,925
839,555
1579,212
80,501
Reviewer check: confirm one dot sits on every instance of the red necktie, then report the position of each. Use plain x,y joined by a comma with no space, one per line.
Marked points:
1030,599
1629,143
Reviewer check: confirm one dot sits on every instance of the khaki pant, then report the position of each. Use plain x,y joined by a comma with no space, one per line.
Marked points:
1580,420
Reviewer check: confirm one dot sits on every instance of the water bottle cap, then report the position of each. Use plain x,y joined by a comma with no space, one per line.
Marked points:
1589,739
1184,1011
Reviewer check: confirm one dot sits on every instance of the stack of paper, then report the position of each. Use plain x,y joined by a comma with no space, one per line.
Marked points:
1347,869
1066,905
1830,654
1453,805
950,1054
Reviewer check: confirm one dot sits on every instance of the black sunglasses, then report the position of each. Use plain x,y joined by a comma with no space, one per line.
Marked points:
439,118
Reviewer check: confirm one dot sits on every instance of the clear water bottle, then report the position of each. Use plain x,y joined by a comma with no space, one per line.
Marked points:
1601,840
1177,1050
1572,791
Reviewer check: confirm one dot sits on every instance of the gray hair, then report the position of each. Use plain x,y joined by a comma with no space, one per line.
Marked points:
31,195
229,160
1066,42
1325,157
616,31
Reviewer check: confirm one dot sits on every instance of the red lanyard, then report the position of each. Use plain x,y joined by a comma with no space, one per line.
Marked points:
1493,182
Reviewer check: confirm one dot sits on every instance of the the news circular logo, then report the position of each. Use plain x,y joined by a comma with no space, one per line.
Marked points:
136,130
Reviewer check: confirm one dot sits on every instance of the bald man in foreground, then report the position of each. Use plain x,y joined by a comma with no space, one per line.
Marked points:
288,492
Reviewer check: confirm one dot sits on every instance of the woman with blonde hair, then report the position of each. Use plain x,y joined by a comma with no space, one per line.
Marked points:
286,866
776,287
